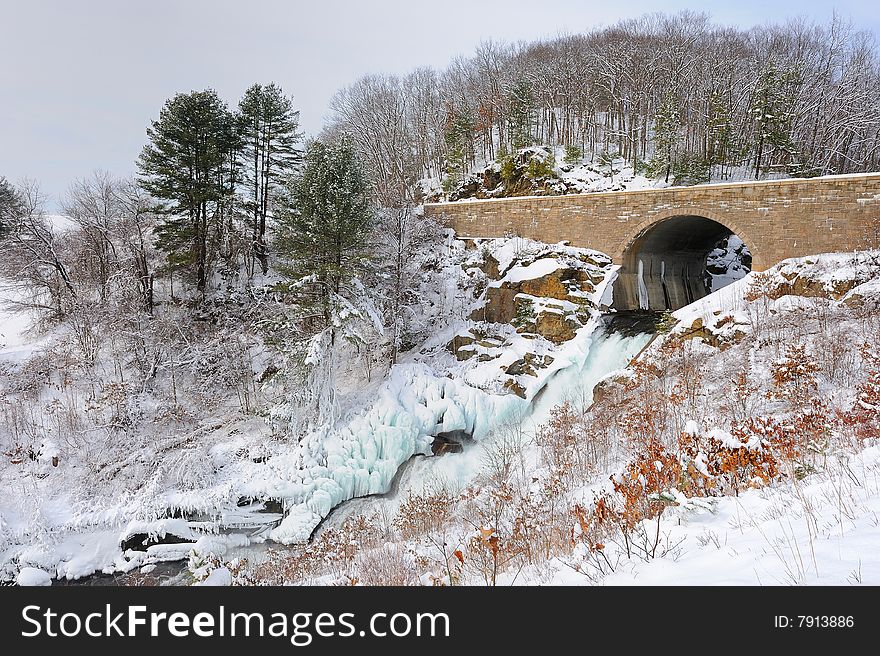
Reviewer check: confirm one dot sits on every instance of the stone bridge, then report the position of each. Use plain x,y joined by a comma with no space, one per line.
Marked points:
661,237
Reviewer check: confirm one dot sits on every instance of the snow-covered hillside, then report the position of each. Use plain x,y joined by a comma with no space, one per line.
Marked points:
233,475
741,448
757,402
544,171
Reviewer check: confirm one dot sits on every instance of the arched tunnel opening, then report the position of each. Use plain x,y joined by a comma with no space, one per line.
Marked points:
678,260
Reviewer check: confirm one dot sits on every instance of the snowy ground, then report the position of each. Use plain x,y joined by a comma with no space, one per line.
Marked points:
819,526
824,530
817,530
207,473
14,326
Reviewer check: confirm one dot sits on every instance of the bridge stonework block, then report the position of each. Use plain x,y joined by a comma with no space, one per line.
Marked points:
777,219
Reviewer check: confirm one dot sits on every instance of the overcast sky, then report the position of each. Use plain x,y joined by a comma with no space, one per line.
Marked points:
81,79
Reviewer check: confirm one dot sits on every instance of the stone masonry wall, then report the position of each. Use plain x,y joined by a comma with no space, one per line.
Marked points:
777,219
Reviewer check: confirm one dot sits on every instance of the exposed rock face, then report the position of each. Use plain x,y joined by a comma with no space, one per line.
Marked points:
528,303
556,326
832,276
531,297
490,267
564,284
458,346
529,172
466,345
608,387
800,285
722,334
515,388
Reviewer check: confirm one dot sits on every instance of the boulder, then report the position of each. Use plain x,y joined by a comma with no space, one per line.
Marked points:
456,347
514,387
797,285
699,330
528,365
608,387
450,442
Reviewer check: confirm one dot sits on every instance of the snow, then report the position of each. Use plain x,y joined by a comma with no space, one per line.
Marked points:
60,223
537,269
14,325
218,577
31,576
72,556
821,531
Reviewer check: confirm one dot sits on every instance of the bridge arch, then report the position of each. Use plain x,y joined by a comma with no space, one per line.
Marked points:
663,258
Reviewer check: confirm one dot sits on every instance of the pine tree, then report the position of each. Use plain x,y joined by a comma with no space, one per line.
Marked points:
772,109
325,224
10,206
189,166
269,129
666,128
719,134
458,136
521,115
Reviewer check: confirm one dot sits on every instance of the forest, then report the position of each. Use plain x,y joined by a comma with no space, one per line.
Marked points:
665,92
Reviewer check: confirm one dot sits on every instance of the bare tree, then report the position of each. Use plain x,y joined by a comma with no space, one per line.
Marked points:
32,254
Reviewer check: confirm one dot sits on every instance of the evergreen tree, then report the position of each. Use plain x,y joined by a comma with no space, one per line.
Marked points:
325,225
521,115
189,166
719,134
458,137
10,206
772,108
269,130
666,128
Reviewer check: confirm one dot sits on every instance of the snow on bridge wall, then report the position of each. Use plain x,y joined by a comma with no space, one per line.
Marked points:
777,219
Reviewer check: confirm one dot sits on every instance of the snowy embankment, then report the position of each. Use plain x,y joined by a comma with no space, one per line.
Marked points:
823,530
818,524
522,340
762,402
434,390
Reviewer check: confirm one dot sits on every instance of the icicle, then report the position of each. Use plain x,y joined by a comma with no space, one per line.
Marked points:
643,289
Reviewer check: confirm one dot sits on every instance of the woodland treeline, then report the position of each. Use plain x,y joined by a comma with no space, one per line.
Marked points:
665,92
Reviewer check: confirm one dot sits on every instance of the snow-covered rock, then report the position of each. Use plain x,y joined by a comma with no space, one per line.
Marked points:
31,576
218,577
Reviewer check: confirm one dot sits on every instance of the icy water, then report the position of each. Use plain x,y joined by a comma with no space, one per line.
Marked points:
613,345
609,351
